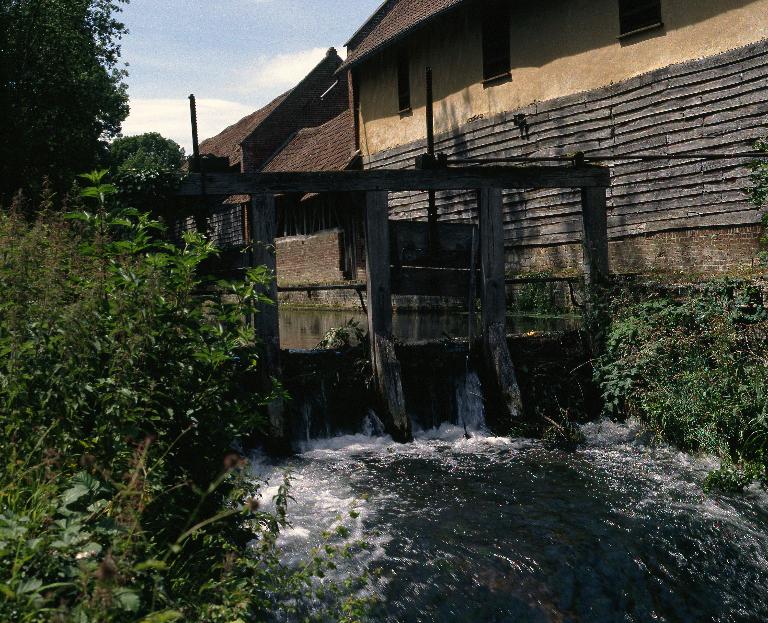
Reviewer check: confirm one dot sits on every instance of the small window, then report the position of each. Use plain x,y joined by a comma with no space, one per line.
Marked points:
403,82
639,15
497,60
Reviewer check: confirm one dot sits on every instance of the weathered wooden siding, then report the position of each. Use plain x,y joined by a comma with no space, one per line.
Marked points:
718,104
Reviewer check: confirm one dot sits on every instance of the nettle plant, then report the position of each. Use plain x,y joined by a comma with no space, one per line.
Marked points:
123,394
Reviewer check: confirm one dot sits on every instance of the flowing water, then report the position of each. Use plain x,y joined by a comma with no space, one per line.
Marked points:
481,528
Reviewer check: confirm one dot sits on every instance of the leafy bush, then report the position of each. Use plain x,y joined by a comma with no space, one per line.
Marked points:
123,394
149,151
538,298
693,368
343,338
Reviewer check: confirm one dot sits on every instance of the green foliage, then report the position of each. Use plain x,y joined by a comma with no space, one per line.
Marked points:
537,298
123,394
146,152
693,368
61,88
345,337
562,433
148,190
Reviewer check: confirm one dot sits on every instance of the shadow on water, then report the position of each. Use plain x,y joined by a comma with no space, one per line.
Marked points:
304,328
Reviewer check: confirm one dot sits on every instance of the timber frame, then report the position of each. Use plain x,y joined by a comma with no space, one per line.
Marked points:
489,245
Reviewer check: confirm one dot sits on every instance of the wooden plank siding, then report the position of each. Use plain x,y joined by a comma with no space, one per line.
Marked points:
717,104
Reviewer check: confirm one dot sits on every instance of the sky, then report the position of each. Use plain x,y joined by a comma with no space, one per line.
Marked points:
234,55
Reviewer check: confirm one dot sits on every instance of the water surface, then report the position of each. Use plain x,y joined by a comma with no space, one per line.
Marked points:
491,529
304,328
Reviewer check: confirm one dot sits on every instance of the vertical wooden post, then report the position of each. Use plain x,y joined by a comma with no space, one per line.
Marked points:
433,235
500,370
596,263
472,297
386,367
263,224
595,218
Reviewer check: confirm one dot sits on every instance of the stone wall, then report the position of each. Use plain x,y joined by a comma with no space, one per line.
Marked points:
711,251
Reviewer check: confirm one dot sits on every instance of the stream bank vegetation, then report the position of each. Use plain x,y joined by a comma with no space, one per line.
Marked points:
692,362
692,366
123,496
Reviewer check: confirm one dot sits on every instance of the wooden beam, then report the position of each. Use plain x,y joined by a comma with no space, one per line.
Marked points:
472,294
504,394
596,263
386,367
262,217
417,281
465,178
595,242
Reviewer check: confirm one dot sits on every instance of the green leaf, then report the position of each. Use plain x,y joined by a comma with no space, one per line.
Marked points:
154,565
163,617
29,586
128,600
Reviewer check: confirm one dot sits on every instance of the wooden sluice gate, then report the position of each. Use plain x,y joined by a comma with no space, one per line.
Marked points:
420,258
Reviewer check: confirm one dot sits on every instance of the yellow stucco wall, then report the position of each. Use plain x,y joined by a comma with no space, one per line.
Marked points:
559,47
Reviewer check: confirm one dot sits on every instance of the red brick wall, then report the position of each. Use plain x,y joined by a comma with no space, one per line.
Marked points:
311,259
709,251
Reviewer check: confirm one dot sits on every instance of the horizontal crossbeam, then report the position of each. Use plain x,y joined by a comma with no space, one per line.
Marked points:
466,178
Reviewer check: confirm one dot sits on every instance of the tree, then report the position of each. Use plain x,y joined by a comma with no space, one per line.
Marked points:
145,152
62,90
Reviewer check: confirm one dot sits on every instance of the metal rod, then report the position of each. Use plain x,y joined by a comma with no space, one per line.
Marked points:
358,287
201,215
195,141
430,114
602,158
433,242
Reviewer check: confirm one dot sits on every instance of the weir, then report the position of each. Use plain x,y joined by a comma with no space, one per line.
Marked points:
442,384
397,264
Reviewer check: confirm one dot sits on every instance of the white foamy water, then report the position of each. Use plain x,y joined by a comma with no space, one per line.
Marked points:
492,529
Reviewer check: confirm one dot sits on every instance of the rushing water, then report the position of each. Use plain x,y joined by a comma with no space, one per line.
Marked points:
492,529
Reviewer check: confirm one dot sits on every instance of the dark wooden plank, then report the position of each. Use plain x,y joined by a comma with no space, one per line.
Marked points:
410,242
419,281
499,369
595,237
226,184
385,364
262,226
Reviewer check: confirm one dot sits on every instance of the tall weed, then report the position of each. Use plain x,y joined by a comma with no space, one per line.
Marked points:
123,394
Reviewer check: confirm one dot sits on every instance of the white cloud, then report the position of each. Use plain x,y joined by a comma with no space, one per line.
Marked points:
257,82
171,118
278,72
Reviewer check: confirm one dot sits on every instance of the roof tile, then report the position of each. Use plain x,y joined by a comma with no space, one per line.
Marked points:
328,147
392,21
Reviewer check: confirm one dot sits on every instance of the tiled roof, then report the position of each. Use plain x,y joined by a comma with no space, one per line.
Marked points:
227,143
393,20
328,147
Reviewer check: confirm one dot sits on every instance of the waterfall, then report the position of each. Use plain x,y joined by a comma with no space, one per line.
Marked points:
327,402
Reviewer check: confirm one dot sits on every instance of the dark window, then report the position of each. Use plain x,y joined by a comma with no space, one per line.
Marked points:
639,14
403,82
496,40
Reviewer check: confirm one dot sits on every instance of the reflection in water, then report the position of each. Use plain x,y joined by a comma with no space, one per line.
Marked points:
304,328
